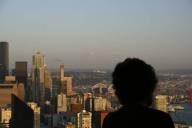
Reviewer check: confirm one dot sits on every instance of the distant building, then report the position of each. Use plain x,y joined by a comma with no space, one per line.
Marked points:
21,75
5,115
21,91
12,88
70,125
100,104
36,110
61,103
98,118
111,91
100,89
76,107
161,103
41,79
65,83
190,95
10,79
61,72
4,60
68,86
84,119
87,96
38,72
48,84
89,104
181,125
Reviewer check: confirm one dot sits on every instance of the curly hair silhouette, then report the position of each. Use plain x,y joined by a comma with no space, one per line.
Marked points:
134,82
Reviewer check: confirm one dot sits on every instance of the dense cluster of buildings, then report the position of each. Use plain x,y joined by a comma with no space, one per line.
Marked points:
29,96
27,99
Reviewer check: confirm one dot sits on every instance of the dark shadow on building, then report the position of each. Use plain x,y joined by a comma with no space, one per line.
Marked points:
22,114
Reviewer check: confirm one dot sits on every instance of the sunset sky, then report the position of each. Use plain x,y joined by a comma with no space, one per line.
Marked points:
89,34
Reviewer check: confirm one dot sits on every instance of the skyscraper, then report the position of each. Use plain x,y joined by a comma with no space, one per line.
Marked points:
61,103
11,88
4,60
38,72
161,102
21,75
84,119
5,115
98,118
65,83
36,110
61,71
48,84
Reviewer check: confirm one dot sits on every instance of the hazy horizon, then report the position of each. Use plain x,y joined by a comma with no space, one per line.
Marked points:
98,34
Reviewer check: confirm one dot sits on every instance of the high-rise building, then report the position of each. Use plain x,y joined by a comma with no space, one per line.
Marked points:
5,115
61,103
36,110
68,86
100,104
161,103
100,89
10,88
38,76
21,75
89,104
84,119
48,84
98,118
65,83
70,125
76,107
61,71
4,60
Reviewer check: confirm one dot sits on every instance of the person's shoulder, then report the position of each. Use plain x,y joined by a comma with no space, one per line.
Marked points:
157,112
111,114
160,115
110,120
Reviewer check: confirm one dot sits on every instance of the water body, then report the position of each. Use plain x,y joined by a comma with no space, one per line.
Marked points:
183,115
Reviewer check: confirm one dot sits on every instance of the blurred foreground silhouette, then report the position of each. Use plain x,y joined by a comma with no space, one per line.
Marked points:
134,82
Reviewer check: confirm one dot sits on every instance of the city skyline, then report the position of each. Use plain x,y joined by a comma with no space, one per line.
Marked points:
99,34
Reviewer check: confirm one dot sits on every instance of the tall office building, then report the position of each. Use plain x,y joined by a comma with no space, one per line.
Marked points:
21,75
5,115
70,125
21,72
36,110
65,83
7,89
4,60
100,104
38,75
76,107
98,118
61,72
84,119
48,84
68,86
161,103
61,103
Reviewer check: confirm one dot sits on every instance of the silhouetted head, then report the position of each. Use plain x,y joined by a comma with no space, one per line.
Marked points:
134,82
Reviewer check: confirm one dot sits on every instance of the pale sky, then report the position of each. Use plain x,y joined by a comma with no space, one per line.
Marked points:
90,34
